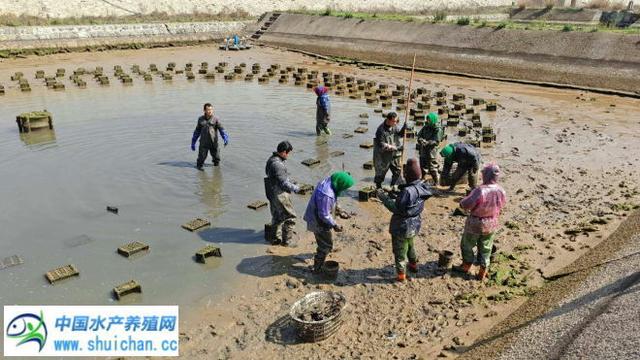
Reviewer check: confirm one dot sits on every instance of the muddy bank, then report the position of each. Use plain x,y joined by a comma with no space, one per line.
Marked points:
567,158
555,57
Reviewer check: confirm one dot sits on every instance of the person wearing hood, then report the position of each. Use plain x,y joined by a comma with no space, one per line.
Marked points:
323,110
320,213
406,220
429,139
387,150
484,205
277,187
207,130
468,161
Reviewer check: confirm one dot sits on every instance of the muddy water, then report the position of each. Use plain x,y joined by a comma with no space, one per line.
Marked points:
128,146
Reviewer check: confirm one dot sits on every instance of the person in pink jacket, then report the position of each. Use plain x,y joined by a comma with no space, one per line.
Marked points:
484,204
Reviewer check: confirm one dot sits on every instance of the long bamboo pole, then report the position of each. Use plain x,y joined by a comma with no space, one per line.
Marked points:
406,113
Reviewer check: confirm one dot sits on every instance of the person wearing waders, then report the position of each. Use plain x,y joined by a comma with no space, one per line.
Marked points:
484,204
277,187
429,139
207,130
468,161
406,221
323,110
319,214
387,150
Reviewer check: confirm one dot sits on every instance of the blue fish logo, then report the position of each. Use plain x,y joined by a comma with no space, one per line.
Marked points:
27,328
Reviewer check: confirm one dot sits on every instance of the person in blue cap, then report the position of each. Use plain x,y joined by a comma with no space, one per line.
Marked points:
207,130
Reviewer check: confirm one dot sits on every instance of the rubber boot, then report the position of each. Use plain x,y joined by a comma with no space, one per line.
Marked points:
464,268
402,277
412,267
435,177
482,274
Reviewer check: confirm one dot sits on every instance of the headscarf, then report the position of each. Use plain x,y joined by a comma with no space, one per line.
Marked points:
447,151
320,90
490,173
341,181
412,171
433,119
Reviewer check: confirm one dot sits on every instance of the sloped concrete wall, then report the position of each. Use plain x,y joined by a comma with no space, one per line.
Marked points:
586,59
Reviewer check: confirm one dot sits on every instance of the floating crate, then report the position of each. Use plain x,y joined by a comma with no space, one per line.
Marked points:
207,251
305,189
34,120
368,165
112,209
196,224
61,273
367,145
336,153
132,248
127,288
310,162
361,130
366,193
11,261
347,136
257,204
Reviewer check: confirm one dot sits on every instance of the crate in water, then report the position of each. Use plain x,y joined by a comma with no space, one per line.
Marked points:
318,315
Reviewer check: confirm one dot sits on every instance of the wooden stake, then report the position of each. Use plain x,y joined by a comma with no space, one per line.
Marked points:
406,114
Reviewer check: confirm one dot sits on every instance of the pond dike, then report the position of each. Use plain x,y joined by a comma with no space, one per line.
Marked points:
600,61
77,36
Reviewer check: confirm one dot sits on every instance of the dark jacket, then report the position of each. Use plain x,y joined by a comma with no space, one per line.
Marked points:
406,220
207,130
466,155
277,180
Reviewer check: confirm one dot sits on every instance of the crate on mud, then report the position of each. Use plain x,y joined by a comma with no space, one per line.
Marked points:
61,273
207,251
318,315
361,130
34,120
366,193
11,261
458,97
132,248
368,165
305,189
310,162
127,288
196,224
492,106
257,204
367,145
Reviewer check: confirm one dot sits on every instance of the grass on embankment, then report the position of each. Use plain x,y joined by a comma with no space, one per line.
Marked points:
466,19
154,17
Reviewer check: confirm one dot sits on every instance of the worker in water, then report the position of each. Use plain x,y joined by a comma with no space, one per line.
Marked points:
429,139
406,220
207,130
387,150
467,159
484,205
278,186
320,213
323,110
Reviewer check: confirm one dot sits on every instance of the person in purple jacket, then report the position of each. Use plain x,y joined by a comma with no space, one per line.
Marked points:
323,110
319,213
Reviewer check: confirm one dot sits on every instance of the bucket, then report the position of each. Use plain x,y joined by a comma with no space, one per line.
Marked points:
330,269
445,258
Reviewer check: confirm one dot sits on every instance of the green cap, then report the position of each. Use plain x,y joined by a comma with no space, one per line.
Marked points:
341,181
433,119
447,151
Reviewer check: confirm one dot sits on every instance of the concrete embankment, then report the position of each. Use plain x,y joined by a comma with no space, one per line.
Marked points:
31,37
596,60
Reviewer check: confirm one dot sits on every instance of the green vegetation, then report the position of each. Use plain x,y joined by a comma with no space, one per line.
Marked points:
463,21
567,28
154,17
440,16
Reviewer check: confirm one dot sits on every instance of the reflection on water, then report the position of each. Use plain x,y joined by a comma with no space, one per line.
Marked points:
129,147
39,139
